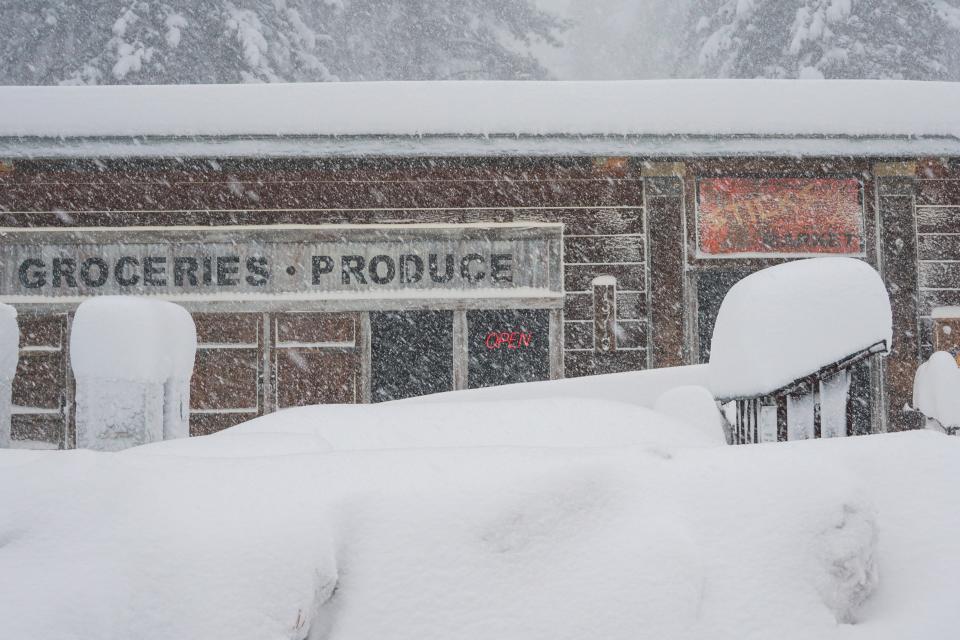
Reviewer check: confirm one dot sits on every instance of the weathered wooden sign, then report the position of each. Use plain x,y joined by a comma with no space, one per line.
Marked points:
333,260
739,217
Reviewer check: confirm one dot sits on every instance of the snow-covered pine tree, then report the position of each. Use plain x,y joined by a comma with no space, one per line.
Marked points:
908,39
441,39
173,41
184,41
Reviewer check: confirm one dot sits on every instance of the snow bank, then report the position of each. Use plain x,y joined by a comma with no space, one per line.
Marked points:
132,358
936,389
546,422
9,356
649,107
788,321
695,406
640,388
791,541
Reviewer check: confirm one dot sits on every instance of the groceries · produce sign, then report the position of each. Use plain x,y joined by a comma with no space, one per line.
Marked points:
779,216
333,260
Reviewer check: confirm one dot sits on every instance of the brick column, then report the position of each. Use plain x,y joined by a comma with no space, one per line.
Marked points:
897,258
664,206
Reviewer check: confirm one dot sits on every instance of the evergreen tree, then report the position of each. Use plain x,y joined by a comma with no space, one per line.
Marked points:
907,39
217,41
441,39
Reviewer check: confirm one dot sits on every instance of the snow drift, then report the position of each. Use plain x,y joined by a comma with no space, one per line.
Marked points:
788,321
936,389
273,531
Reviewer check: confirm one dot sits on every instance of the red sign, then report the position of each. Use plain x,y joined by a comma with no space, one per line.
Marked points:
788,216
508,340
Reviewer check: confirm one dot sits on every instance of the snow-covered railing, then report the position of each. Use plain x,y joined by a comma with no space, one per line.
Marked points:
799,405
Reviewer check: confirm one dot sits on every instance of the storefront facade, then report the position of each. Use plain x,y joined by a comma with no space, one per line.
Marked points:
349,280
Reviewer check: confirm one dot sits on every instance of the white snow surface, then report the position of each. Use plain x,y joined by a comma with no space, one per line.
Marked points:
132,338
788,321
262,532
9,342
646,107
936,389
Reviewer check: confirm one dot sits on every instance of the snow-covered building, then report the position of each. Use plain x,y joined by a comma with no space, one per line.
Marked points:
360,242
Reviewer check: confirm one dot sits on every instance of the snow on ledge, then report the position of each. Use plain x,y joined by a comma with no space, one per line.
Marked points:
627,108
786,322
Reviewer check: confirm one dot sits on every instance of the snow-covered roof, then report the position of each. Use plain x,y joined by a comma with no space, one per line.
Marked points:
499,118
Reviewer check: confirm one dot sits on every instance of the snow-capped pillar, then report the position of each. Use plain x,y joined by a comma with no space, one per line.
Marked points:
121,358
663,186
604,314
9,356
897,259
176,389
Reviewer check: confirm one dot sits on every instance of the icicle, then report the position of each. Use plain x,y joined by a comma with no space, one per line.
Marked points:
767,429
800,417
833,405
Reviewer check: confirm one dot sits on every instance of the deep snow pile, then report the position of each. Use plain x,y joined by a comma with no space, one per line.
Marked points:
936,389
788,321
273,530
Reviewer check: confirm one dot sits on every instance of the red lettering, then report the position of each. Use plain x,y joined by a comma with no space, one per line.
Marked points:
491,340
525,339
512,339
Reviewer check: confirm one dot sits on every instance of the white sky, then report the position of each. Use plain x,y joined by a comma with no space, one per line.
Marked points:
615,39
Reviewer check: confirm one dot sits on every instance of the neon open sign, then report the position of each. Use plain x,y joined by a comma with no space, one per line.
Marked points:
508,340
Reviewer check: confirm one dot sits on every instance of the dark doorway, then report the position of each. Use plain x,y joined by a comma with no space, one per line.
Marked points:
508,346
411,354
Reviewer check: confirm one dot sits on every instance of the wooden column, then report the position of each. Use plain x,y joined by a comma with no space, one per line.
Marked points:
664,206
604,314
897,257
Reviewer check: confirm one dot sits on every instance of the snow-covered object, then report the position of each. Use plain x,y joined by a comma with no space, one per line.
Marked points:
649,107
176,389
9,356
936,389
788,321
695,406
132,358
707,543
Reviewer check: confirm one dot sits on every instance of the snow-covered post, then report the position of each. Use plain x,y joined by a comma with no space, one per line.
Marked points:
121,356
9,356
176,389
604,314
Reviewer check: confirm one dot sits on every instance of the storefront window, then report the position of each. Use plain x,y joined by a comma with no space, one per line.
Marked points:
411,354
508,346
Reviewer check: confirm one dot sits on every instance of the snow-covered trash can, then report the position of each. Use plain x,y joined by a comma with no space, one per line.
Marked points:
785,342
127,353
9,356
936,392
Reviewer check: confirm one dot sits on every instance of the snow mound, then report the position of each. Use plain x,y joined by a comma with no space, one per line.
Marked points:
132,338
936,389
553,422
9,342
695,406
790,320
712,543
